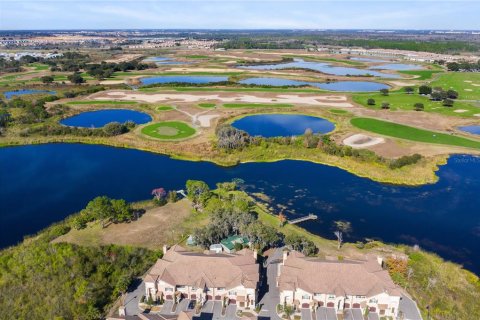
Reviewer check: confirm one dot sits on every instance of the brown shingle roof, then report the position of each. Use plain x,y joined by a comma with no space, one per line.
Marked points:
366,278
181,267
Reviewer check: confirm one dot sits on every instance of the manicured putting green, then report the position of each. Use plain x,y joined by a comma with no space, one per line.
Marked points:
410,133
164,108
169,130
257,105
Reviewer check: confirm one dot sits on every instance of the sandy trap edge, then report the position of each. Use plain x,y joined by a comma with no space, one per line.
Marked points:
361,141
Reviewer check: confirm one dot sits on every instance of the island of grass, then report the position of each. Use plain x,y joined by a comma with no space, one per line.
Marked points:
410,133
207,105
164,108
169,130
257,105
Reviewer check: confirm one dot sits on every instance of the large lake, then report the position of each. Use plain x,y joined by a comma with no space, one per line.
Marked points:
322,67
42,184
282,125
350,86
183,79
99,118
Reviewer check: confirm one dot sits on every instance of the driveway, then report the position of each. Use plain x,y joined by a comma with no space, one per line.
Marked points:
231,312
353,314
217,310
167,307
408,309
133,296
271,295
306,314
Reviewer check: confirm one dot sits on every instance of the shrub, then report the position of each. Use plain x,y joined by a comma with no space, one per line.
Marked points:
384,92
418,106
385,105
371,102
448,103
424,89
404,161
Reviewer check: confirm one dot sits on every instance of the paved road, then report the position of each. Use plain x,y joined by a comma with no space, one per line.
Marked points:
271,298
408,308
133,297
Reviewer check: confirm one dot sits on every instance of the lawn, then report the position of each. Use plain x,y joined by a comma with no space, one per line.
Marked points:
422,74
164,108
206,105
39,66
466,83
81,102
399,100
338,111
410,133
257,105
169,130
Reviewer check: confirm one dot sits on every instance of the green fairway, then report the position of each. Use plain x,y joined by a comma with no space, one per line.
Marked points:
422,74
410,133
257,105
39,66
164,108
169,130
399,100
206,105
80,102
466,83
338,111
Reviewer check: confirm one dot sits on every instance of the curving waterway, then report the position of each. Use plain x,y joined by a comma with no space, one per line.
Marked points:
42,184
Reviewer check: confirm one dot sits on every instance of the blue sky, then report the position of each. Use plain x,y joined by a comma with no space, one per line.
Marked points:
230,14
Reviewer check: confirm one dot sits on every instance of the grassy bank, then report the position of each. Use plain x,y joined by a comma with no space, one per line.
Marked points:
410,133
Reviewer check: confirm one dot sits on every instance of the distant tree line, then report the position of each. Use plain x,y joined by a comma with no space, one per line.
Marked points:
105,70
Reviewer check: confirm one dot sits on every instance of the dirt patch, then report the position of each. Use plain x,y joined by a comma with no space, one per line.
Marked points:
158,226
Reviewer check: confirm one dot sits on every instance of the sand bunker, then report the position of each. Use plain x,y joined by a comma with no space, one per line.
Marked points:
328,101
361,141
475,84
205,120
476,115
112,82
468,90
460,111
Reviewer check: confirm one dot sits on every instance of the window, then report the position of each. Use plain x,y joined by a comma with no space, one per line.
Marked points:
305,297
232,293
180,287
168,289
330,296
373,300
194,288
393,310
360,297
317,295
220,289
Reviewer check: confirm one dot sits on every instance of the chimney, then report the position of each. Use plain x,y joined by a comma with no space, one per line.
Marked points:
165,248
255,254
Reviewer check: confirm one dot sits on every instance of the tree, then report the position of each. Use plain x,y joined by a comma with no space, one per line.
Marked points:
424,89
385,105
4,118
172,196
288,311
47,79
114,129
339,236
101,209
76,78
198,192
384,92
437,95
122,211
371,102
453,66
409,90
418,106
452,94
448,103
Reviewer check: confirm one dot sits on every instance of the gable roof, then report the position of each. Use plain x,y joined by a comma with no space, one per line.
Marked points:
366,278
181,267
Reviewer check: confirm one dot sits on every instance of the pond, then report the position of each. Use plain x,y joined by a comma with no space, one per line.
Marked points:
397,67
471,129
282,125
164,61
10,94
41,184
322,67
183,79
350,86
99,118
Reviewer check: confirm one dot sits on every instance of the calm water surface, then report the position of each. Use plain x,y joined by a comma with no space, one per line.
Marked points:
284,125
322,67
164,60
351,86
470,129
42,184
10,94
99,118
183,79
397,67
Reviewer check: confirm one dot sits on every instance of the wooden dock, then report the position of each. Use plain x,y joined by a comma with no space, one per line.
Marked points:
301,219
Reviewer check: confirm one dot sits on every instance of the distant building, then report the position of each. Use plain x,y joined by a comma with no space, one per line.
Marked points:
220,277
310,282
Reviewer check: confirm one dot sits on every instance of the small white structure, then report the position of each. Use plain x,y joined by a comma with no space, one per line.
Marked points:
217,248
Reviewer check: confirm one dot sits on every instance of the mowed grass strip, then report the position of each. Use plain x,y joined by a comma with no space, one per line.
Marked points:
421,74
410,133
101,102
207,105
169,130
257,105
164,108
